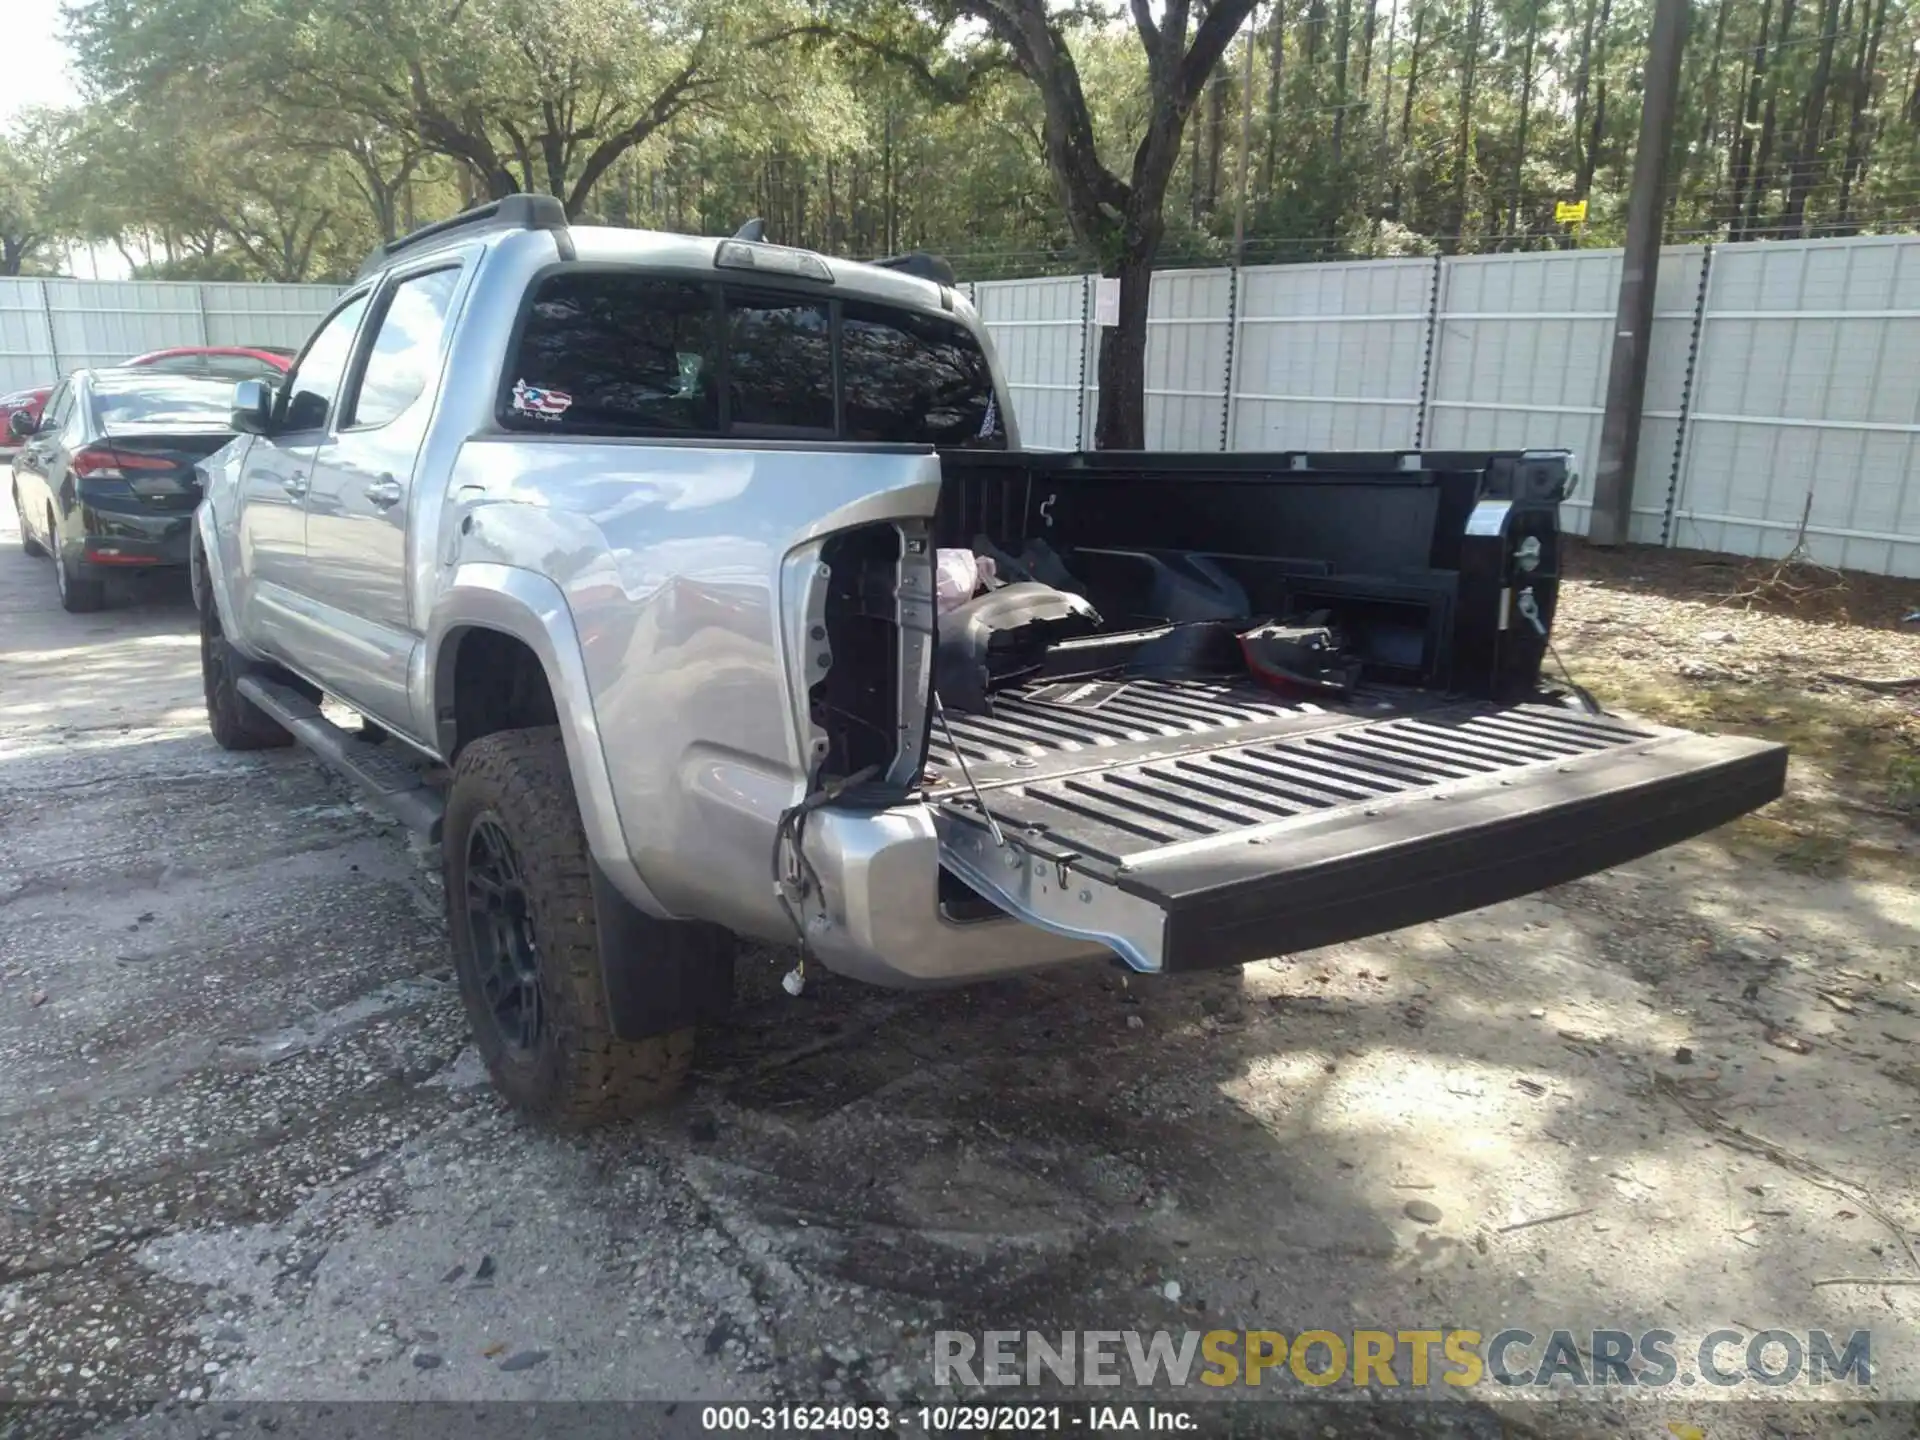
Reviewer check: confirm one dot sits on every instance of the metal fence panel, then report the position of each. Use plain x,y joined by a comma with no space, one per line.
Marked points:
1187,324
101,323
283,315
1330,357
1038,332
51,327
1807,402
1521,356
26,344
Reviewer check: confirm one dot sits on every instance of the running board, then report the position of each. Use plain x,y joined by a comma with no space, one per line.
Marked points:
393,784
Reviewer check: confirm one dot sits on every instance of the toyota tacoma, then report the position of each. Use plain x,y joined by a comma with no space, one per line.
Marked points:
689,589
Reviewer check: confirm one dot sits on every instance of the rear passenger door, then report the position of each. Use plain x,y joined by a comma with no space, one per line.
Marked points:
273,488
358,500
34,466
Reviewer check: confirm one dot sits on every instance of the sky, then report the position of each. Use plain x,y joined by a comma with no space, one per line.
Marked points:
39,72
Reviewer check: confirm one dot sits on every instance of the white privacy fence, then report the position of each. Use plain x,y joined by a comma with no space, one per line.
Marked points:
1784,377
49,327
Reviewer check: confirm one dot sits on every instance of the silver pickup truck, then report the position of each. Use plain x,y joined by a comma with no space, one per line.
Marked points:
689,589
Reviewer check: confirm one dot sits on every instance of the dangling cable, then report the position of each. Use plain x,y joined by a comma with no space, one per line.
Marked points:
994,825
794,877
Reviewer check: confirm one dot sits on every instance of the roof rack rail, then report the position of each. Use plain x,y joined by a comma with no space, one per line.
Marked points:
510,212
921,266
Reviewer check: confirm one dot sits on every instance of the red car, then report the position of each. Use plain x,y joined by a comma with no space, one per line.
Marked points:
30,401
221,362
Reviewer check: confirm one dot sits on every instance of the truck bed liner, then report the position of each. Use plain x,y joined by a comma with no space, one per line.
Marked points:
1024,737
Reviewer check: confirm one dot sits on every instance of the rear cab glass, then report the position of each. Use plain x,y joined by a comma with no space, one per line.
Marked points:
622,353
165,401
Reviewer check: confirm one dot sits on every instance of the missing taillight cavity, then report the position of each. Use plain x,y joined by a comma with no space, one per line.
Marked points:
870,703
856,703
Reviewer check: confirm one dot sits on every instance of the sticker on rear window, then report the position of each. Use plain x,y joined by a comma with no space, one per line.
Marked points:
539,402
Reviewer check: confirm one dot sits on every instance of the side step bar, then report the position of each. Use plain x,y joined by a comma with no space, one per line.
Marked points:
390,781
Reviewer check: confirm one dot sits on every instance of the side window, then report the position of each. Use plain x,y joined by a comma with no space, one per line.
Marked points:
917,380
73,428
316,377
779,363
615,354
406,349
53,415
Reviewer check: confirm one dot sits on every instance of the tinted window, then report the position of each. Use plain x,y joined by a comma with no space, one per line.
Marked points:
613,353
316,379
53,415
916,379
406,351
122,403
779,363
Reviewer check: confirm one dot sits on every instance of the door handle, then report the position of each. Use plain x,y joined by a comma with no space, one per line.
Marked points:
294,485
384,492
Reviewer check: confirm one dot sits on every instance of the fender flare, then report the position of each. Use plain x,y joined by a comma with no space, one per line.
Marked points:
204,556
533,610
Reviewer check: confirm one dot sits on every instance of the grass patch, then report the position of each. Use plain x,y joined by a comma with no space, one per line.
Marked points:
1855,762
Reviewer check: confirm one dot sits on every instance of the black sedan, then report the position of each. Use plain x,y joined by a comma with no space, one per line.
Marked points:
106,479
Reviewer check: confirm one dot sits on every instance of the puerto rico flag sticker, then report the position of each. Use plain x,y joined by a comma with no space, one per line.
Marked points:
539,402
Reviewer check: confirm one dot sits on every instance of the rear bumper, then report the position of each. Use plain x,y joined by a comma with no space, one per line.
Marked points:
881,921
121,539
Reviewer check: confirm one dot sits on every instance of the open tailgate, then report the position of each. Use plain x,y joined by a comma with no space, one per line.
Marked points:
1199,845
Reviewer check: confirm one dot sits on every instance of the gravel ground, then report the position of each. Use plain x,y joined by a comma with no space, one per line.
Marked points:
250,1157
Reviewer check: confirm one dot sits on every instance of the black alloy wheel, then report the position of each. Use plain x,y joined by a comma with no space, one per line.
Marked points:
506,953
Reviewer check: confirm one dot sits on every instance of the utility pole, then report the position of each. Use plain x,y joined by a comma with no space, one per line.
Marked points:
1612,513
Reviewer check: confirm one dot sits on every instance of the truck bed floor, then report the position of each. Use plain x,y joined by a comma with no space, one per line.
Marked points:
1166,762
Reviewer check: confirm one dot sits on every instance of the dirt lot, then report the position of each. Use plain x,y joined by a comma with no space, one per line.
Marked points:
248,1154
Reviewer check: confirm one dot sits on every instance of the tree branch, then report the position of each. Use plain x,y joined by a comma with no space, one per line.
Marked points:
1210,41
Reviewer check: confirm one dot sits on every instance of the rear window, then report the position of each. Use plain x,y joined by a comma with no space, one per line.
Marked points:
219,367
163,402
622,354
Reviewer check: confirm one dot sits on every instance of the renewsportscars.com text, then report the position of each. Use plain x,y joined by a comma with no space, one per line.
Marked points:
1393,1359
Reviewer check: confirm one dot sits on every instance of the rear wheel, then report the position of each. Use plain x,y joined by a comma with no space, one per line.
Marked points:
27,542
237,723
79,594
525,943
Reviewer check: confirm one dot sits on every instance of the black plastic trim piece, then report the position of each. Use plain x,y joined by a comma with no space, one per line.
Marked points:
660,975
510,212
1420,860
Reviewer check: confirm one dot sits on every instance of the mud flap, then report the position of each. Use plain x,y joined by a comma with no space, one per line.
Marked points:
660,975
1239,852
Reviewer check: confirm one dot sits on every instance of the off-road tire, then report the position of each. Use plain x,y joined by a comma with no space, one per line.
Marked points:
237,723
578,1073
28,544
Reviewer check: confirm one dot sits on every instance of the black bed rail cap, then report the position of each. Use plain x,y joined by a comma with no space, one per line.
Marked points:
921,265
510,212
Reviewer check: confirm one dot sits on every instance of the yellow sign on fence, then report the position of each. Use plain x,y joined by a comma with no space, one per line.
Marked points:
1570,212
